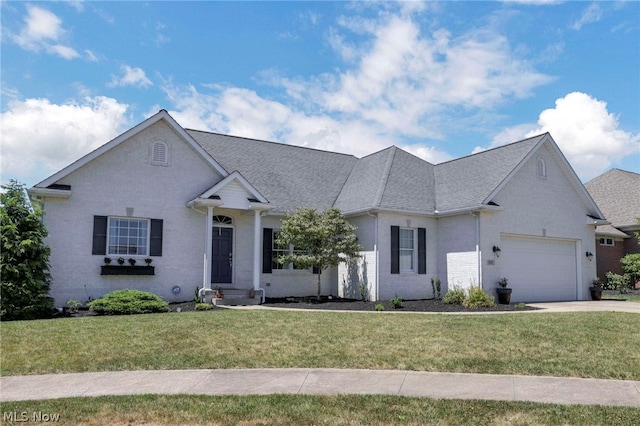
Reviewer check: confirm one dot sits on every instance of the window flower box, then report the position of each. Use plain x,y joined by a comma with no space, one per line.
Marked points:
127,270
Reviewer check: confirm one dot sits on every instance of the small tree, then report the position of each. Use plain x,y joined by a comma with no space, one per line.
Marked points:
24,258
320,239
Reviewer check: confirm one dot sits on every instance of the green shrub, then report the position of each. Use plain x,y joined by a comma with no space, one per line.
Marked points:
454,296
617,282
127,302
379,307
478,298
396,302
203,306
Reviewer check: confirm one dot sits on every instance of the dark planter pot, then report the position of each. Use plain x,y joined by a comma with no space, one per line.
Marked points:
596,293
127,270
504,295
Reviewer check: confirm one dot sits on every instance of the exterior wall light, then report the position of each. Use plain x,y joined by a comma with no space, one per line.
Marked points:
589,256
496,251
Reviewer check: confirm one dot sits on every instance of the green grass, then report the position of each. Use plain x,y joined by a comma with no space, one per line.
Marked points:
626,297
310,410
594,344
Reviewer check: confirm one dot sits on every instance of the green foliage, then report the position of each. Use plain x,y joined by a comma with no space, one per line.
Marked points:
321,239
436,286
477,298
196,295
454,296
521,305
24,258
631,266
617,282
204,306
379,307
73,305
503,282
127,302
396,302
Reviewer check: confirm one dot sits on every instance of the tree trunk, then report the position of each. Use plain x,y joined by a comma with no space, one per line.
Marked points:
319,275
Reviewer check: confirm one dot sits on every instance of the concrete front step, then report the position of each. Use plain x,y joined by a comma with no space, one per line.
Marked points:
236,301
235,297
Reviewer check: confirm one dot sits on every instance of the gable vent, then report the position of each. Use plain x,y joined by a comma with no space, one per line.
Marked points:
159,154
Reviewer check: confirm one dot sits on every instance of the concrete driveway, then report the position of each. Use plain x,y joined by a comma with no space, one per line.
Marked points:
588,306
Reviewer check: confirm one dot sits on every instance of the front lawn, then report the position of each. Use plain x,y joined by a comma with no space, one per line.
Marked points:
595,344
310,410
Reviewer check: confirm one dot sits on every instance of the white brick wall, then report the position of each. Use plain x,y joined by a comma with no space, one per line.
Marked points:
119,179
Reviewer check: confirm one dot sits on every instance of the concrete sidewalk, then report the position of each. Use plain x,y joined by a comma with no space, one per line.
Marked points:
557,390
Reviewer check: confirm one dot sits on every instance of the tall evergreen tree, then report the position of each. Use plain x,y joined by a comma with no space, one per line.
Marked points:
320,239
24,258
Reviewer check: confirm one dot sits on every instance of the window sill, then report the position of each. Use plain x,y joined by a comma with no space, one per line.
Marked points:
127,270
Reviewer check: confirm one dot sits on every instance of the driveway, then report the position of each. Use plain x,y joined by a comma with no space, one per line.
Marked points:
588,306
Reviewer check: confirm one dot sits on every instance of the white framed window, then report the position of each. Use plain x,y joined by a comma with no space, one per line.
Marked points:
283,250
278,250
541,169
128,236
407,250
159,154
607,242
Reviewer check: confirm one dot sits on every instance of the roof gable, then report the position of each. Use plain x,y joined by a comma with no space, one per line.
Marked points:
470,181
161,115
230,186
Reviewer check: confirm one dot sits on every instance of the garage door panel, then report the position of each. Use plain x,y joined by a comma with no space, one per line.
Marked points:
539,269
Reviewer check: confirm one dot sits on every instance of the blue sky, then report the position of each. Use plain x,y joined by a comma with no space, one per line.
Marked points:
439,79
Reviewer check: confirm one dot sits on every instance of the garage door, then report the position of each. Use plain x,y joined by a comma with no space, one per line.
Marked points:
539,269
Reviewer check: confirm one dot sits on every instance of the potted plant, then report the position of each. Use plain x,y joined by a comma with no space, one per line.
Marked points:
504,293
596,289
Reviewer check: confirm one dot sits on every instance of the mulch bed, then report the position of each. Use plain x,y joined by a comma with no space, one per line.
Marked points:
421,305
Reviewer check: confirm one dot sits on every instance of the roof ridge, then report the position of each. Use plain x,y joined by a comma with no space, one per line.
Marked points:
271,142
492,149
385,175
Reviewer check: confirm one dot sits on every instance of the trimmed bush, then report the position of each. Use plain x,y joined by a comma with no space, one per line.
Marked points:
478,298
454,296
128,302
396,302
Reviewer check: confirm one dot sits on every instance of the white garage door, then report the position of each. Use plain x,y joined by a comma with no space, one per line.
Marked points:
539,270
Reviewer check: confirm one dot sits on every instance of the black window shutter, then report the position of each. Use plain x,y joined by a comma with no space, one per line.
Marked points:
267,254
422,251
395,249
155,242
99,235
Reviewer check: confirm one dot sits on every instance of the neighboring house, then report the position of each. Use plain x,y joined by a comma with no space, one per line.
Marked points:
206,208
617,194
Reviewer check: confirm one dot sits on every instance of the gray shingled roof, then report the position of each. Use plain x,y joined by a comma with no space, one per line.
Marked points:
468,181
288,176
389,179
617,194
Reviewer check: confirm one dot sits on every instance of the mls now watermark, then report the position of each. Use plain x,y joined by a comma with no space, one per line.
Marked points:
31,417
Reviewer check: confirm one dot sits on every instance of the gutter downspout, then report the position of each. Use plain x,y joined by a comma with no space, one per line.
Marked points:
478,253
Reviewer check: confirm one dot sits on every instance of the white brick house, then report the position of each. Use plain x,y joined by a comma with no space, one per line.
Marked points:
204,208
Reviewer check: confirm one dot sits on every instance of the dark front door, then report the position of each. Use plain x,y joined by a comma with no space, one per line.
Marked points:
221,255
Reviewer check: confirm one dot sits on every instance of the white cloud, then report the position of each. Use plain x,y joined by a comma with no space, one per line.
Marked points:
131,76
586,132
403,78
43,30
401,81
73,130
591,14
